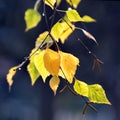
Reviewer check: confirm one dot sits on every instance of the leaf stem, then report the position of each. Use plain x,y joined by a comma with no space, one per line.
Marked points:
87,104
37,4
60,10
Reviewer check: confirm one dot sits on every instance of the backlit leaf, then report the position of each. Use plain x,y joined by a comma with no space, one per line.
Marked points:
10,75
88,19
73,16
81,88
39,64
65,34
97,94
68,64
50,3
61,30
52,61
57,30
33,72
44,39
32,18
31,68
54,83
73,3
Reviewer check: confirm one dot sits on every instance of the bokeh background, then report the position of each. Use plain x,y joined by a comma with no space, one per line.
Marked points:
25,102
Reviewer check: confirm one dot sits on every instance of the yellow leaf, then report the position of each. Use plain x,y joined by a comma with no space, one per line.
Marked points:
50,3
10,75
73,3
61,30
66,33
73,16
81,88
54,83
39,64
52,61
68,64
88,19
94,92
57,30
44,39
58,2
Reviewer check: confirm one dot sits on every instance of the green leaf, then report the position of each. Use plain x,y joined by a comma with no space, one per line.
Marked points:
50,3
32,18
74,16
81,88
39,64
73,3
88,19
31,68
97,94
33,72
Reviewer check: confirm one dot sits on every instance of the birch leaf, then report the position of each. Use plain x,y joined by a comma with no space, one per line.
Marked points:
94,92
40,66
97,94
81,88
32,18
52,61
61,30
68,66
31,68
73,3
88,19
58,2
74,16
44,39
54,83
10,75
50,3
33,72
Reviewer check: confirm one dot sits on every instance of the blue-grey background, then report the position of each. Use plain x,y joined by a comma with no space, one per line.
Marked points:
25,102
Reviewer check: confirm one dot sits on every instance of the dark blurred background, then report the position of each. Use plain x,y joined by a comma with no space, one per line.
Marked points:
25,102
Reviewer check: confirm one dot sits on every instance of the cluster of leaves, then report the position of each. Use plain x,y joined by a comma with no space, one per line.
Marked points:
44,62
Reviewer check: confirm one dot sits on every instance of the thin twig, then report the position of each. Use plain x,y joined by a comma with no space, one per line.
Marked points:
27,58
45,15
76,36
88,104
